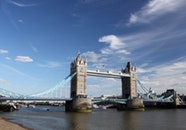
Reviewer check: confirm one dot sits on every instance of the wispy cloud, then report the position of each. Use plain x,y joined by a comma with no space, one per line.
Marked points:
24,59
21,21
7,58
98,61
12,69
22,4
97,86
168,75
3,51
143,38
91,56
153,38
144,44
34,48
154,9
50,64
3,80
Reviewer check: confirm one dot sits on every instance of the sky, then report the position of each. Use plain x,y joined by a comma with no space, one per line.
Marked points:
40,38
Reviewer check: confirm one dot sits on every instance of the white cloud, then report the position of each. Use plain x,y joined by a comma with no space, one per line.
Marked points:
123,52
113,41
91,56
165,76
135,42
144,44
24,59
97,86
155,8
107,51
116,45
133,18
3,51
142,70
99,66
98,60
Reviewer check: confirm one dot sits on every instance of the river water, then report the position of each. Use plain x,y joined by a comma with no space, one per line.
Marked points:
55,118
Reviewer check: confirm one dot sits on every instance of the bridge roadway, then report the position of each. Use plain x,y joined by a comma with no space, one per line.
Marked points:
35,99
107,74
60,99
120,101
55,99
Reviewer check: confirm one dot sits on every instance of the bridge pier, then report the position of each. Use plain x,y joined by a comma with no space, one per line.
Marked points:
131,104
135,104
79,105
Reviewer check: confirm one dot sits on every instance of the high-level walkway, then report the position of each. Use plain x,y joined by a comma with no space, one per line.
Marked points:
107,74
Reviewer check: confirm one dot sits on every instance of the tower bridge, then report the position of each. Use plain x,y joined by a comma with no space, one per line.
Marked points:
78,100
81,103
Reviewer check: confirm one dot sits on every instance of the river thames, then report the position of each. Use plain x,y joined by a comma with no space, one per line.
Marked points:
55,118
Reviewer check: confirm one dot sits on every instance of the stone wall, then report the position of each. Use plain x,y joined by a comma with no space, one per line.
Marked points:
79,105
135,104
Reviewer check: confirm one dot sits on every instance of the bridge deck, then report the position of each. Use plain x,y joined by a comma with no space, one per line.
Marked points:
37,99
107,74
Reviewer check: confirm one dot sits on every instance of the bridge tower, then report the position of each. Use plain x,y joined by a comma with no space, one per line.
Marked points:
129,88
78,83
79,102
129,84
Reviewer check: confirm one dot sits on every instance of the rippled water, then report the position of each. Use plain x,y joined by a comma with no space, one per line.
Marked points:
56,118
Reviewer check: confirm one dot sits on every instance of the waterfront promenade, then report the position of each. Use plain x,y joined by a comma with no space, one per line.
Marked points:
6,124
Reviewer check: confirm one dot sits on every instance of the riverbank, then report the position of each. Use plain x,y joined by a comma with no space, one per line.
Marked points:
5,124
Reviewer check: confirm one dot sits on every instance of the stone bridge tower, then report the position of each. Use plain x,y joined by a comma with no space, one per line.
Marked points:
78,83
129,89
129,84
80,102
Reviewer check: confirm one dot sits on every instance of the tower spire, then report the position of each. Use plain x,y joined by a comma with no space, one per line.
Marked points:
78,56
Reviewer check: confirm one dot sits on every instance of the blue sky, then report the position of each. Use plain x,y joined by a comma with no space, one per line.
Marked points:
39,39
